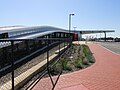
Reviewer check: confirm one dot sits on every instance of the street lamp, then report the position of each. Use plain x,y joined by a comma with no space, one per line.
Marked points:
70,21
74,29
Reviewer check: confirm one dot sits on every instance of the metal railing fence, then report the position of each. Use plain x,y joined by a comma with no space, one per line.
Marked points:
16,52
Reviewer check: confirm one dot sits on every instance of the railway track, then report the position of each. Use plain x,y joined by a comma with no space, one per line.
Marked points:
53,53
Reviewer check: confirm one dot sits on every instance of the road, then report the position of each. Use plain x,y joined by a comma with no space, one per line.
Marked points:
113,46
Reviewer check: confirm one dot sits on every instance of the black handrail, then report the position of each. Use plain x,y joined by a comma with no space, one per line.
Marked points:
47,40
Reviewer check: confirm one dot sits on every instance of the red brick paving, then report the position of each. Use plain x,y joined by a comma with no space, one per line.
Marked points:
103,75
76,87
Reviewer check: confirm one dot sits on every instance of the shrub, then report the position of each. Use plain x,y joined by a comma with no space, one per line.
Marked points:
87,54
64,64
68,67
90,58
78,63
55,69
86,50
85,62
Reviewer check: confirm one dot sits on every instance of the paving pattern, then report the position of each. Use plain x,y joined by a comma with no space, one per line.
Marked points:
103,75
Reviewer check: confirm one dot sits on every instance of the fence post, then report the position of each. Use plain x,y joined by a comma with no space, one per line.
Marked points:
59,49
48,69
12,66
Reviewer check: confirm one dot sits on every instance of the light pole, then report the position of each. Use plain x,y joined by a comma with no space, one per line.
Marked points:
74,29
70,21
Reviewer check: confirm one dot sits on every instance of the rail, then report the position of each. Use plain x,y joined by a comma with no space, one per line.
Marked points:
16,52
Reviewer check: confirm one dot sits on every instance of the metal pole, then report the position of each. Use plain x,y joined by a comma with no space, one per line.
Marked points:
69,22
105,36
48,56
48,63
12,66
59,49
64,42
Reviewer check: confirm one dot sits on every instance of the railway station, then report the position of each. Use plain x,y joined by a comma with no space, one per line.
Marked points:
60,45
29,51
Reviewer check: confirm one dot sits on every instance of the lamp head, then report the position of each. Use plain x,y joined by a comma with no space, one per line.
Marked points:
72,14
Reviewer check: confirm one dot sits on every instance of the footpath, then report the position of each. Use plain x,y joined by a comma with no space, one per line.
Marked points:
104,74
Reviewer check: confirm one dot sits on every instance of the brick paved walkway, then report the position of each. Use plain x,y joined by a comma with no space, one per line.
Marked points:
103,75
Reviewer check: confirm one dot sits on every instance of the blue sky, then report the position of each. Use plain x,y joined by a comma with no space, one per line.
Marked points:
89,14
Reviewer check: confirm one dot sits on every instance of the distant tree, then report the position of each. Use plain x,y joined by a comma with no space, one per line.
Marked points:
117,39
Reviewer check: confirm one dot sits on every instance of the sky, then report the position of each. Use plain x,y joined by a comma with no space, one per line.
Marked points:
89,14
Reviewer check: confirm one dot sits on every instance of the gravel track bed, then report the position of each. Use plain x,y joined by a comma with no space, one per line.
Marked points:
113,46
28,65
